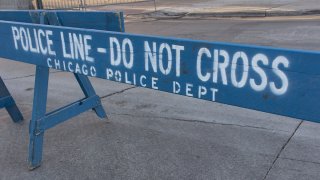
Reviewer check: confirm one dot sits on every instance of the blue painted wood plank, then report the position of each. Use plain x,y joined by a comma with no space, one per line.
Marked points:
65,113
6,101
99,20
36,134
89,91
274,80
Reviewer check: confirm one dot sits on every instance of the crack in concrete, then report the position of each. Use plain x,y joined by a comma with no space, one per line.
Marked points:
118,92
299,160
26,76
281,150
20,77
197,121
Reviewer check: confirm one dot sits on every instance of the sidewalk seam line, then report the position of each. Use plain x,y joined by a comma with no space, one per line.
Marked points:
118,92
281,150
299,160
199,121
26,76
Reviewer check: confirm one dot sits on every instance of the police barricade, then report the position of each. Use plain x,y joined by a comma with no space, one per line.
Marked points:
278,81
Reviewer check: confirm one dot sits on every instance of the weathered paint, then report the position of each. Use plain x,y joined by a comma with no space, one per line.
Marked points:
7,101
112,21
279,81
41,120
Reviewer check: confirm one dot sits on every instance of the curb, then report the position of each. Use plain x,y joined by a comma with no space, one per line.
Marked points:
170,14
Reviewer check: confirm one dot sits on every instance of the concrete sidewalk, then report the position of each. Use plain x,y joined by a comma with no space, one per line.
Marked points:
219,8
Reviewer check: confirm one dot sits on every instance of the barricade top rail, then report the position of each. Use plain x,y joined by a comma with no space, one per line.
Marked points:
97,20
279,81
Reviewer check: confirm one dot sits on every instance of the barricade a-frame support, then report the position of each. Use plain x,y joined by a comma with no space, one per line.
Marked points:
6,101
41,120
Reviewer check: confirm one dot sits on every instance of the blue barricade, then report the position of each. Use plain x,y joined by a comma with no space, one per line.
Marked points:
273,80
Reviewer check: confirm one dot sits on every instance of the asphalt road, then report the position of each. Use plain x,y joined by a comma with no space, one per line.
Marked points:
156,135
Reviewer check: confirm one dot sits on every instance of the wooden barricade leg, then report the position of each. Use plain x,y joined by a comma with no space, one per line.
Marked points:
89,91
41,121
38,112
6,101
